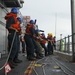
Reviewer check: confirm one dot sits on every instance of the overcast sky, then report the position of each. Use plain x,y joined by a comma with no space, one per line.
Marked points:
48,14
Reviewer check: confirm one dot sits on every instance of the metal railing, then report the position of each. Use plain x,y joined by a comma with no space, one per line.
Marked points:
65,44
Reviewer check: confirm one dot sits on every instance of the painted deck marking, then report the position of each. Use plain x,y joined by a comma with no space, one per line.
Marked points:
28,71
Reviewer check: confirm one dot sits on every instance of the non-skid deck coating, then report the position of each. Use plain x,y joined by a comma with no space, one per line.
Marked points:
44,66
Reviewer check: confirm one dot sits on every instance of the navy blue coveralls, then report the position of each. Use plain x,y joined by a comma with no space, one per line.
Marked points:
30,44
14,49
50,47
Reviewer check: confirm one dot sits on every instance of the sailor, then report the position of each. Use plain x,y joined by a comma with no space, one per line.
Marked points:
13,28
29,37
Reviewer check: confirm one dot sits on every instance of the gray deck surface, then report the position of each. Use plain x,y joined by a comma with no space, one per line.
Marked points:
48,66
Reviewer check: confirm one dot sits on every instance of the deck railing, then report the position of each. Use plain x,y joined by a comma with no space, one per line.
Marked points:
64,44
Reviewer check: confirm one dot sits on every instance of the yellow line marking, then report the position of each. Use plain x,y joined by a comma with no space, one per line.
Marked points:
29,68
38,65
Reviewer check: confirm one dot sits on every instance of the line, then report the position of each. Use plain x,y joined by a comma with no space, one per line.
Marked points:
28,71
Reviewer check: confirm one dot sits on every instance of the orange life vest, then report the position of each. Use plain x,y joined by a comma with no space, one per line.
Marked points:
43,41
50,38
28,27
15,25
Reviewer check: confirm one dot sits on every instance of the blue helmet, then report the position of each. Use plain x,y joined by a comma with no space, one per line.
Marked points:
31,21
19,19
43,34
14,10
37,30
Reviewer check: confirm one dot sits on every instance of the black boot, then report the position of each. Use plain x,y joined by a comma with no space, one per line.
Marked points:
38,57
31,58
12,64
17,61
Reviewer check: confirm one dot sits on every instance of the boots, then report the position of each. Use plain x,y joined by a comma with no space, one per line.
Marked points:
17,61
12,64
38,56
31,58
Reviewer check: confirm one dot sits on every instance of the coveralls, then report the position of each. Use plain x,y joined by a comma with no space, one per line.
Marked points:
43,42
50,45
11,21
29,38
